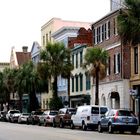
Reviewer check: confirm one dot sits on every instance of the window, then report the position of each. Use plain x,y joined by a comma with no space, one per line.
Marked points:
136,60
43,40
95,35
73,59
102,32
117,63
87,82
105,31
81,82
81,58
72,84
109,66
77,60
76,83
50,36
108,29
115,26
46,39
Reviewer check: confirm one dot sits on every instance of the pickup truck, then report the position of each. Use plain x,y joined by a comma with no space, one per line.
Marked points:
63,118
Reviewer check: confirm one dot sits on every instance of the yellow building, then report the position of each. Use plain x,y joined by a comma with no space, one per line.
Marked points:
47,30
135,80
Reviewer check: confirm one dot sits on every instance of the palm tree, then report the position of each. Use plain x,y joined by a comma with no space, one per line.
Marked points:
129,22
96,58
9,81
28,82
55,57
66,73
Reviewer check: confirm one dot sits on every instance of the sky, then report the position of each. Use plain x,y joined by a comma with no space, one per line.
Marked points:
21,20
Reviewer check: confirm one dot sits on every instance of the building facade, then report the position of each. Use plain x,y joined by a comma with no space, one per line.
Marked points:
56,23
114,89
63,35
4,65
35,57
47,30
80,82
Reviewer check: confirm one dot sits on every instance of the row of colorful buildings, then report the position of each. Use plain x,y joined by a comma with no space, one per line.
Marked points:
121,86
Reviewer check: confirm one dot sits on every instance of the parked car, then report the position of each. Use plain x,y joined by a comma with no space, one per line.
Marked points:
33,118
3,115
63,117
47,117
87,116
14,117
23,117
10,113
118,120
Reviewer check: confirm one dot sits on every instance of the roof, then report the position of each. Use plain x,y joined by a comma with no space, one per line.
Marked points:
23,57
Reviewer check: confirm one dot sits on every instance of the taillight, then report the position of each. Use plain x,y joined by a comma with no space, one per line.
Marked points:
116,116
88,118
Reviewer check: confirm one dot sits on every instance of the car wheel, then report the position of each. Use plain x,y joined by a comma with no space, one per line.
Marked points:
121,131
27,122
54,124
71,125
84,127
110,129
45,123
33,122
39,123
99,128
134,131
61,124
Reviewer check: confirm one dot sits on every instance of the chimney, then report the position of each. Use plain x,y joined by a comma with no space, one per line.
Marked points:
25,49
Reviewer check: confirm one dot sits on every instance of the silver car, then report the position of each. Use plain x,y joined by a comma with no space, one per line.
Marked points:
118,120
47,117
23,117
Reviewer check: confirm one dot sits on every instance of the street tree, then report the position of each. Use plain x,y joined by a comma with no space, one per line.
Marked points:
28,82
96,59
129,22
56,57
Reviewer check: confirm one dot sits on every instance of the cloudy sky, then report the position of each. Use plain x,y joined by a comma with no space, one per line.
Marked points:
21,20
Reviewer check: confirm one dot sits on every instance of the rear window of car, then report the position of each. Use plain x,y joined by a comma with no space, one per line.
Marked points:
103,110
71,111
53,113
95,110
125,113
12,112
38,113
25,114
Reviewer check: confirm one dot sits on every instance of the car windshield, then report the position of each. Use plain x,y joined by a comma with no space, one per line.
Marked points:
125,113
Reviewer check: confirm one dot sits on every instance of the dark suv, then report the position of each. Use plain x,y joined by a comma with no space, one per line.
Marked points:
34,117
63,117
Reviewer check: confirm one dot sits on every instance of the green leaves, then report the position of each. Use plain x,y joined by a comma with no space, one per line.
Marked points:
129,22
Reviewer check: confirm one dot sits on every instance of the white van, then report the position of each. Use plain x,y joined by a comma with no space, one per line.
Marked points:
87,116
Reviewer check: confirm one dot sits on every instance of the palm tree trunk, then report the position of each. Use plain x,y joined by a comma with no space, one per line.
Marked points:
55,87
69,91
97,88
